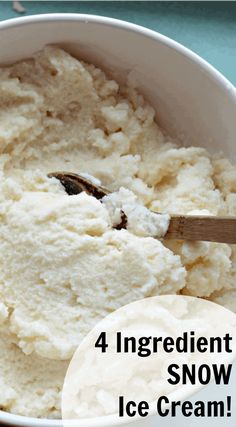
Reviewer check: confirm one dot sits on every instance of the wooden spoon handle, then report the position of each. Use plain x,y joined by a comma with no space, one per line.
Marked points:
206,228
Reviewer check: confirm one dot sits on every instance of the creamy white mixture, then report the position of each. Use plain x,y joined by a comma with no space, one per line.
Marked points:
62,265
138,219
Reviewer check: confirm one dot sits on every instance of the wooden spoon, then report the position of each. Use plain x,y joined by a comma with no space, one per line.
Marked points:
183,227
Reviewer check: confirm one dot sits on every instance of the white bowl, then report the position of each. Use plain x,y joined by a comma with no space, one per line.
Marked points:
194,102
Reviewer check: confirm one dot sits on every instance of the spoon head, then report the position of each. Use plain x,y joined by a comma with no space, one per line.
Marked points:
75,184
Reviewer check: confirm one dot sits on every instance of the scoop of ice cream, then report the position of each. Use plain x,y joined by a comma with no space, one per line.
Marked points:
64,268
140,220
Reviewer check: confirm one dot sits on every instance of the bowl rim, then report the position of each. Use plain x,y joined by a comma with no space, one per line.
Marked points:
212,72
206,67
